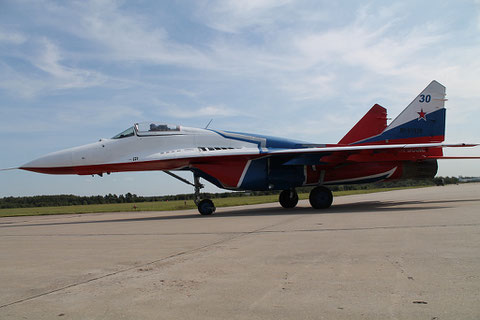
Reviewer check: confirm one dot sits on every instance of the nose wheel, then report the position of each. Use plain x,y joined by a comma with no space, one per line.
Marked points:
205,206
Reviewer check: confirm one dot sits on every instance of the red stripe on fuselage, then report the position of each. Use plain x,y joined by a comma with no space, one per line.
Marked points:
221,165
227,172
113,167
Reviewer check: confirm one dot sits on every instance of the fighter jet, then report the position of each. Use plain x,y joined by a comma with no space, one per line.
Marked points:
371,151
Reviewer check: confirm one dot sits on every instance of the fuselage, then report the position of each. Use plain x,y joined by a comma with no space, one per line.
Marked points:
230,160
133,149
139,148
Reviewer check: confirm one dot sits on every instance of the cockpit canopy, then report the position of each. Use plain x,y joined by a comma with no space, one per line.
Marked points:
148,129
153,128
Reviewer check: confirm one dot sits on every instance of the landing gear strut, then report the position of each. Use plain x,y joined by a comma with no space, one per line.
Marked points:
288,198
321,197
205,206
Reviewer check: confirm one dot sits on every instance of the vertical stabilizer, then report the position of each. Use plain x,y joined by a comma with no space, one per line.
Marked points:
372,123
422,121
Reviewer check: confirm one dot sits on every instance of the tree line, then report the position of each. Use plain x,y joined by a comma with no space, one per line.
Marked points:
71,200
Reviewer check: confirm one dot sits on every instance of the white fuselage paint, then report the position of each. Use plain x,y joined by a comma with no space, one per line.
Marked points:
188,142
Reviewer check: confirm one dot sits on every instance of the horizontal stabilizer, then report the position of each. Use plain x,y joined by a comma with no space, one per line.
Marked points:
453,158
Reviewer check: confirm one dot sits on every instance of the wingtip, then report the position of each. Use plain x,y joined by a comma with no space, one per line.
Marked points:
463,144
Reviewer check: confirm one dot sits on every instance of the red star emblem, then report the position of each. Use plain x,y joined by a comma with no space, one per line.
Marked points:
422,115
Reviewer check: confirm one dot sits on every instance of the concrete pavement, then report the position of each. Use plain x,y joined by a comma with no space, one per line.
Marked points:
410,254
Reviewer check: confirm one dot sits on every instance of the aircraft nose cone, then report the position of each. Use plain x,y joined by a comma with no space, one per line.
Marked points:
59,162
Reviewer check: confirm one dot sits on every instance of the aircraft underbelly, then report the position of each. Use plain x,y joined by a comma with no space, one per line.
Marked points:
363,173
259,174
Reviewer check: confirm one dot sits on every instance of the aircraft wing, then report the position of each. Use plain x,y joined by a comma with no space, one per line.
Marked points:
228,168
375,147
323,155
368,153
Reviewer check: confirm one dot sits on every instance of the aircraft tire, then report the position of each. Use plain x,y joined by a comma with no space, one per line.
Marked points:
321,197
206,207
287,200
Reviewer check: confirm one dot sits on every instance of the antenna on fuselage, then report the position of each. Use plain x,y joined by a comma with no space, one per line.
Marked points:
209,123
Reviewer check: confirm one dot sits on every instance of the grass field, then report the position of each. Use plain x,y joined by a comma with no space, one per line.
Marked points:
163,205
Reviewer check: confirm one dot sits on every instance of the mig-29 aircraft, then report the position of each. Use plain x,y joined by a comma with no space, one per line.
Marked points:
371,151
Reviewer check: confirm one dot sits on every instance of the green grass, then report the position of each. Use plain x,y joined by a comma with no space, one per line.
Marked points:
164,205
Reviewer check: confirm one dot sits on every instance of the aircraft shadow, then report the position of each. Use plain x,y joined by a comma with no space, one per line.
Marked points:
364,206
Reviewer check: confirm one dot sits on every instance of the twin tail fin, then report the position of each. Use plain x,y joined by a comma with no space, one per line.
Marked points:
422,121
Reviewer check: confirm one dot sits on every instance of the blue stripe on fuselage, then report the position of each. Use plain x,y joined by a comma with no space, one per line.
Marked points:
434,125
256,176
270,141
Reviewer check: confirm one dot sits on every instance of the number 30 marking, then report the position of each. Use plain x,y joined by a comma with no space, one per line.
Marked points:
425,98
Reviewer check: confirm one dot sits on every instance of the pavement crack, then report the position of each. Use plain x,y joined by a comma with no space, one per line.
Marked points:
146,265
260,231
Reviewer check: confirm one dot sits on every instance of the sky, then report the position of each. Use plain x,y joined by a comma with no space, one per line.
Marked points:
72,72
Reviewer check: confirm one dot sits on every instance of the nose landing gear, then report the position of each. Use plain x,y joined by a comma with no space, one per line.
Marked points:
205,206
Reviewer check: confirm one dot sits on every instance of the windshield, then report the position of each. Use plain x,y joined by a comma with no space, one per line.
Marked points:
127,133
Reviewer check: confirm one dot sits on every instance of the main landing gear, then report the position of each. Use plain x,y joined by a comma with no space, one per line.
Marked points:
320,198
205,206
288,198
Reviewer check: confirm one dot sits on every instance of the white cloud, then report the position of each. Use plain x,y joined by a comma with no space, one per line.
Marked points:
366,45
19,83
12,37
214,111
95,114
307,87
49,60
126,36
232,16
221,111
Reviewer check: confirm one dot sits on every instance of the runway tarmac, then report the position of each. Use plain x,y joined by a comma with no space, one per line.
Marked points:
410,254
